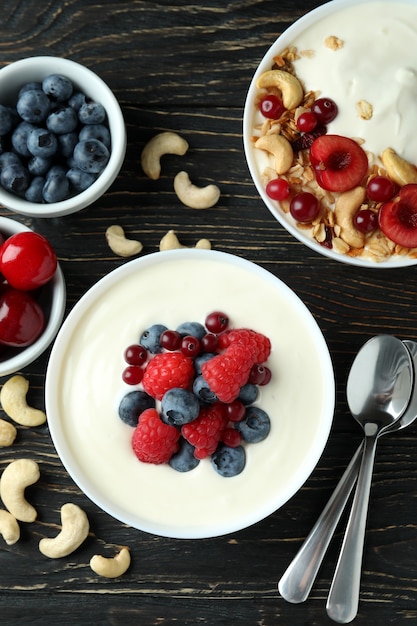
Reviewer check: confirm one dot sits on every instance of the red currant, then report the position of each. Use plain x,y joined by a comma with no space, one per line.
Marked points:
235,411
135,354
267,377
304,207
278,189
170,340
381,189
271,107
307,121
27,260
21,318
366,221
190,346
325,110
257,374
209,342
216,322
231,437
132,375
223,341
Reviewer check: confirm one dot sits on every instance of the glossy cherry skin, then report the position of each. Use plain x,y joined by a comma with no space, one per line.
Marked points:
27,260
21,318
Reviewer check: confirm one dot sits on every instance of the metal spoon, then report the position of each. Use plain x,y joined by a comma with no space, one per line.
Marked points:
378,391
298,579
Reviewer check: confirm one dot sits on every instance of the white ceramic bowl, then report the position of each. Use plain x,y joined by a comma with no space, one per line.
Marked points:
52,298
14,76
316,18
84,387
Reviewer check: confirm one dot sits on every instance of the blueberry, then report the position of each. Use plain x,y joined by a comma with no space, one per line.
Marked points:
56,188
41,142
29,87
33,106
133,404
255,426
67,143
151,336
62,120
201,358
38,166
248,393
15,178
77,100
95,131
91,113
34,193
6,120
195,329
20,138
202,391
91,156
9,158
184,460
58,88
56,170
179,406
228,461
79,180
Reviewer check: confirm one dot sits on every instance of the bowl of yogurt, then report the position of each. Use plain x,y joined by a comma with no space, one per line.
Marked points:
328,131
84,386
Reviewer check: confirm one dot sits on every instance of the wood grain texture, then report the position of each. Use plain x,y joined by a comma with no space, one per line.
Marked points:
186,67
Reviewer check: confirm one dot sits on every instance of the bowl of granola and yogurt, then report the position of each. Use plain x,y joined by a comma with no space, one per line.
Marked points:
329,131
85,389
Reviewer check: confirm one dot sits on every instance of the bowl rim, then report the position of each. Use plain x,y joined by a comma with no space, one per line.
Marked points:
58,303
97,494
280,43
41,66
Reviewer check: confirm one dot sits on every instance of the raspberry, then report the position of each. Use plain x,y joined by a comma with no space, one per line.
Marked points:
226,373
152,440
205,431
259,344
166,371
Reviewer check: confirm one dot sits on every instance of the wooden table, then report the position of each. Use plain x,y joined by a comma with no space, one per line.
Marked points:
186,67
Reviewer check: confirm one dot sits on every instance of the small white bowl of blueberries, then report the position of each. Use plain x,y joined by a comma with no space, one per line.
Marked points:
62,137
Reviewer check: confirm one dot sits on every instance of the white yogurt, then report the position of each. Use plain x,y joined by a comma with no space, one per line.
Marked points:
84,386
377,63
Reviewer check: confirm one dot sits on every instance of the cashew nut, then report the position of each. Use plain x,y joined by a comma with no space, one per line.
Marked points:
7,433
9,528
15,478
111,567
119,244
346,207
170,241
13,400
74,531
280,147
291,89
163,143
193,196
398,169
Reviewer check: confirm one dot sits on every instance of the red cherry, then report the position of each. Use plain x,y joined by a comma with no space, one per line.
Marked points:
338,162
27,260
271,107
366,221
21,318
398,218
307,121
278,189
381,189
325,110
304,207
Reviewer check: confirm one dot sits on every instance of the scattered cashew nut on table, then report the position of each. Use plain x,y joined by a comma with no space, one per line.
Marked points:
13,400
193,196
74,531
111,567
9,528
8,433
119,243
170,241
163,143
16,477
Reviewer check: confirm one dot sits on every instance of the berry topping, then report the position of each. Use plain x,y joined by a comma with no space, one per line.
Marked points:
304,207
133,404
271,107
179,407
152,440
398,218
135,355
151,338
338,162
255,426
325,110
190,346
229,461
204,433
132,375
166,371
184,460
305,140
170,340
231,437
278,189
216,322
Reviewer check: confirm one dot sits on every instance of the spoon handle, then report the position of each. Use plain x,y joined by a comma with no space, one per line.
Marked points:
343,600
298,579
